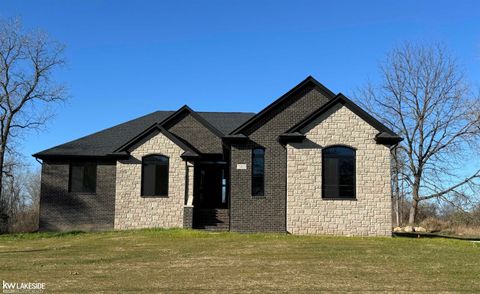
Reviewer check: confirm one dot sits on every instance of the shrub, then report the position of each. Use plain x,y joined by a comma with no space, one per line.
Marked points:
433,224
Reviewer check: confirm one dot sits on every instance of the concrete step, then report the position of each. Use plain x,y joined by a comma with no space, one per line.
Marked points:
211,219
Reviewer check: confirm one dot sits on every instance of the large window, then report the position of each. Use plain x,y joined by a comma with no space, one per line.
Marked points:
258,172
338,170
155,175
83,177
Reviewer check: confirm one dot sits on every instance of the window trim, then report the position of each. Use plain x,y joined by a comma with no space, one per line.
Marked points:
251,176
142,178
354,198
70,165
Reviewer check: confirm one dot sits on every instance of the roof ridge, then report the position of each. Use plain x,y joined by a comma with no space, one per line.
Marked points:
242,112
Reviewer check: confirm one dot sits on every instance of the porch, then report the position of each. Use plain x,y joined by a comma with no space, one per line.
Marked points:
207,199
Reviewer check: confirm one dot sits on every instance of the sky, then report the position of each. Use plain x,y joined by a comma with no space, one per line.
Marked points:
129,58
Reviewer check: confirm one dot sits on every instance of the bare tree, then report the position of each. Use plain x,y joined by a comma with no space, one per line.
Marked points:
28,61
21,187
423,95
398,185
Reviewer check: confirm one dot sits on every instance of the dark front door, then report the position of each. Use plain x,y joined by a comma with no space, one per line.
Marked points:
210,189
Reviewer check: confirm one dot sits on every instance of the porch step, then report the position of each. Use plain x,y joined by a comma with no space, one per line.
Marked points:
211,219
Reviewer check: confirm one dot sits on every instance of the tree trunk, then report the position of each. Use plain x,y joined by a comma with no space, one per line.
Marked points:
397,211
2,159
396,190
2,163
3,150
415,198
413,212
3,207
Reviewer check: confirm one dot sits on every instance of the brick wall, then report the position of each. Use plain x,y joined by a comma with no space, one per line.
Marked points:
61,210
189,129
307,212
249,213
133,211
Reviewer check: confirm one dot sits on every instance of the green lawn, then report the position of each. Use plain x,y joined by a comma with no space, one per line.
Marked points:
195,261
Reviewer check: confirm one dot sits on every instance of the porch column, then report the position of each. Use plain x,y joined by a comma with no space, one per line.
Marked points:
188,206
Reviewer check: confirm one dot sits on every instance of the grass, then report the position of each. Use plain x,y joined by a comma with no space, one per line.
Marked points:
195,261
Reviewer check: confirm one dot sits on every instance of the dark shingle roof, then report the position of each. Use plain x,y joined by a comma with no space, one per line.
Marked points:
106,141
226,122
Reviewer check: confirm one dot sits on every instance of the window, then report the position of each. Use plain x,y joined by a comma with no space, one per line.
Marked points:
338,172
155,175
258,172
224,187
83,177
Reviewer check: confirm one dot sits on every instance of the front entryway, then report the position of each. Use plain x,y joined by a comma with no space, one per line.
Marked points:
210,196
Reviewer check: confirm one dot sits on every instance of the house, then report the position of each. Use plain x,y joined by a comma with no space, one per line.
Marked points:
312,162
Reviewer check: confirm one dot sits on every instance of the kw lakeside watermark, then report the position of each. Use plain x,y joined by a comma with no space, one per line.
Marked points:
23,287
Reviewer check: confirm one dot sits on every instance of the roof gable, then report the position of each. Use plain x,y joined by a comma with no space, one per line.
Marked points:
386,135
185,109
156,128
309,81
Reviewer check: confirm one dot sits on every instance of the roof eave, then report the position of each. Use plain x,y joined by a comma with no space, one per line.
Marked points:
190,155
235,138
386,139
80,156
296,137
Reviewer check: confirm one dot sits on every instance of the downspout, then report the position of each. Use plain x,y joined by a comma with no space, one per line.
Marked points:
395,191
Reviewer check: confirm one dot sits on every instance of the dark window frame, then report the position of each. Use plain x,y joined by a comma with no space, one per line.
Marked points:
354,188
142,185
261,193
70,181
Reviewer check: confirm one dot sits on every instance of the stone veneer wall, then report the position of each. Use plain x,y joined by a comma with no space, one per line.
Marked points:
307,212
134,211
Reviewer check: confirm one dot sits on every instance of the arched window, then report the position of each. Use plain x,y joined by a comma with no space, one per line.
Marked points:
155,175
338,172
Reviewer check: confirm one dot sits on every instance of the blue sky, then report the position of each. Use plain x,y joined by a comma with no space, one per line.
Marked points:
129,58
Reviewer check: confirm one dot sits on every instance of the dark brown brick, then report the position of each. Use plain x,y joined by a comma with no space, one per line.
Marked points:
192,131
268,214
61,210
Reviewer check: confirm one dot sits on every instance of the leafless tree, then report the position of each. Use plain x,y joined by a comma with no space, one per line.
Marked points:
21,186
25,217
424,96
399,189
28,61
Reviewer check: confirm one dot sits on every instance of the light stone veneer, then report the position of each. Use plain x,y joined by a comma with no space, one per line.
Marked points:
133,211
307,212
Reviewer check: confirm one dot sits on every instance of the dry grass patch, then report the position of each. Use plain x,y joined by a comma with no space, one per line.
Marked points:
195,261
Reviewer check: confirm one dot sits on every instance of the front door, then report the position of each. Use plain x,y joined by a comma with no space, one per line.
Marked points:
210,189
